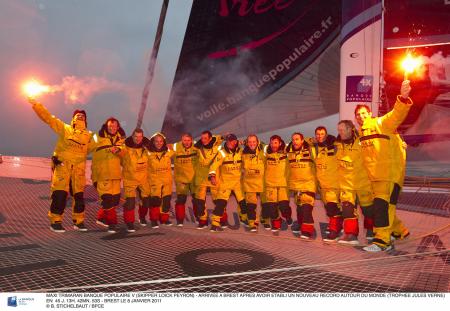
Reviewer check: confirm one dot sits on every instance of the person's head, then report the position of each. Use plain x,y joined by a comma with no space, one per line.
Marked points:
186,140
252,141
205,137
231,141
321,134
112,126
297,140
362,112
138,136
79,115
275,143
158,141
79,119
345,129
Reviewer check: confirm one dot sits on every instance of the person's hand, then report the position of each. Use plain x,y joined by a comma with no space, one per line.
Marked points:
405,89
32,100
213,180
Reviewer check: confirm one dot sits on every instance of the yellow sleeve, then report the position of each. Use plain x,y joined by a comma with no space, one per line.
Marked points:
216,163
313,151
56,124
391,120
93,143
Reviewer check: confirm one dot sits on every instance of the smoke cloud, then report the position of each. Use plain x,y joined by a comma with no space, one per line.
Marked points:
438,68
80,90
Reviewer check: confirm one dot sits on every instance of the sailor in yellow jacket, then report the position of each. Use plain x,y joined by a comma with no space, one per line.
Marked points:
69,165
160,180
253,166
302,181
225,173
275,183
378,145
354,184
107,171
207,149
324,154
184,171
135,156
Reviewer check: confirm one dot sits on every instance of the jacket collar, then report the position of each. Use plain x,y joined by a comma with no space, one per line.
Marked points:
208,146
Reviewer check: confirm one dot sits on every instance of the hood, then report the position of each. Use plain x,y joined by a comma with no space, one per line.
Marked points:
351,140
103,132
329,141
290,147
231,151
208,146
247,150
151,145
130,143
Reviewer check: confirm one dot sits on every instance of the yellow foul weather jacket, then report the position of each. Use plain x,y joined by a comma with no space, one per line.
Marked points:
135,162
185,160
227,167
352,173
73,144
378,141
205,157
276,167
160,165
105,164
301,172
253,164
324,155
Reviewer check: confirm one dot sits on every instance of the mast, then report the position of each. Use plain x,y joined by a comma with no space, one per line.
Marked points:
151,65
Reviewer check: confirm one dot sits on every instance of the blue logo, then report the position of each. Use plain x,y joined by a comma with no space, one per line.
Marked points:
12,301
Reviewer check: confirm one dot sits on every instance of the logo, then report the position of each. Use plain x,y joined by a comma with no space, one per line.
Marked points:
359,88
12,301
245,7
243,11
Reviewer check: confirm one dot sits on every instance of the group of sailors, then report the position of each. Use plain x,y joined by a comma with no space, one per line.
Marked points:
362,167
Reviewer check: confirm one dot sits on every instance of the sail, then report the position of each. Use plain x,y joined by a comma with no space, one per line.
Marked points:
251,66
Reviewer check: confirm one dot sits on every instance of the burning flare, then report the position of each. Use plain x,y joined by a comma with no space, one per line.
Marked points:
34,88
410,63
78,90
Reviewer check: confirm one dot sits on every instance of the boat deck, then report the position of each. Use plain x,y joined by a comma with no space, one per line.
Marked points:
32,258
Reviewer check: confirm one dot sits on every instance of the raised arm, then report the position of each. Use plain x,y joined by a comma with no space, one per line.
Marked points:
56,124
390,121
